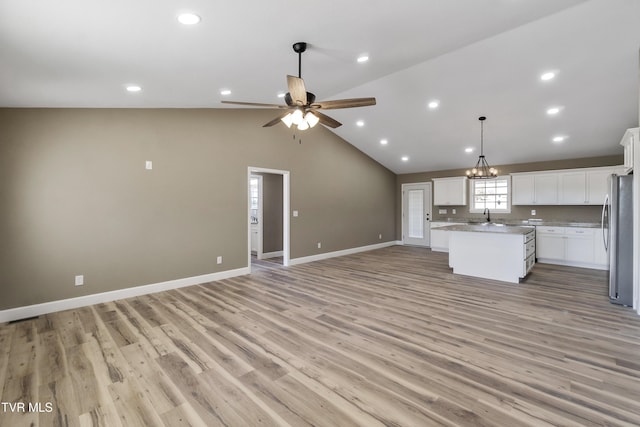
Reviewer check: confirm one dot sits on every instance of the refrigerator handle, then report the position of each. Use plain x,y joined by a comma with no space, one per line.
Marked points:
605,215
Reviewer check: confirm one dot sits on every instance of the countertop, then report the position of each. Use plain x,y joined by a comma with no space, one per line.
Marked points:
523,222
489,228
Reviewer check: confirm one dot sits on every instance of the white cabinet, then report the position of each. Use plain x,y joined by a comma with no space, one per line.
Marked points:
631,136
597,185
580,245
550,244
600,255
534,189
522,189
576,246
584,186
440,238
450,191
545,189
573,187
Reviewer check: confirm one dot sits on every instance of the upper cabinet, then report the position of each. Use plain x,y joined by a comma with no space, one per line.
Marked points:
534,189
586,186
450,191
631,136
573,187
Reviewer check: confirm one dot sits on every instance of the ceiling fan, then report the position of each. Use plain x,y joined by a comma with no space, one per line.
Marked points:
302,109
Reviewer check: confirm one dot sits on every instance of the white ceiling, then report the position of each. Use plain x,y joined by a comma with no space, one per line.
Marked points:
477,57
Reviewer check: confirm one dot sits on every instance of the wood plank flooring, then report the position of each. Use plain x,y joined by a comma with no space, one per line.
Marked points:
384,338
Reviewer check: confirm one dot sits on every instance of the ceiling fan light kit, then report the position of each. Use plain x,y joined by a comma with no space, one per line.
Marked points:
482,170
306,112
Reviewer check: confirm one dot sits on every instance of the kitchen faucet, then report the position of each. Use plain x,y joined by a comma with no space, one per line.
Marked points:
486,211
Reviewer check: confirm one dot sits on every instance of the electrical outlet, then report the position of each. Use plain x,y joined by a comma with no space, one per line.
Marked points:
319,245
453,211
79,280
219,260
442,211
533,212
379,236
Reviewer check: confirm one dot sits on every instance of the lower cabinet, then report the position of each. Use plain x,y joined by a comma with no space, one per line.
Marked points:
576,246
440,238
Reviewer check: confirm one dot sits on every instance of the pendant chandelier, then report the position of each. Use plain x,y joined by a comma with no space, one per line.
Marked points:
482,170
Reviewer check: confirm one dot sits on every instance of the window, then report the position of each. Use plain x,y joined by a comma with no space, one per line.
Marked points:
492,194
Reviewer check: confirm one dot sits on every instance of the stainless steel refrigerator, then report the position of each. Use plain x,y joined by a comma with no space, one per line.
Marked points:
617,232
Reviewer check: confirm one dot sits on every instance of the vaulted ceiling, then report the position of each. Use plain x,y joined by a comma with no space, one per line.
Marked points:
474,57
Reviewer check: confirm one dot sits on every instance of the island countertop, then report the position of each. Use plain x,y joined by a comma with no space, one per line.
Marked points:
489,228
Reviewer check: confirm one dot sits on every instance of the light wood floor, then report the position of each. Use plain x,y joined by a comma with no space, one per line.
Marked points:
388,337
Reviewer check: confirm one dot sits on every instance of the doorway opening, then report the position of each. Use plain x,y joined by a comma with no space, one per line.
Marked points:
268,217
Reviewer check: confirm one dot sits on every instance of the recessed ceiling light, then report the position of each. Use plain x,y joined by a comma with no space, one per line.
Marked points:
188,18
133,88
225,92
553,110
433,104
559,138
363,58
405,158
384,142
360,123
468,150
549,75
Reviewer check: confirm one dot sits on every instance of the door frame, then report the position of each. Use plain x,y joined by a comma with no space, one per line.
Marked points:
286,197
259,215
429,208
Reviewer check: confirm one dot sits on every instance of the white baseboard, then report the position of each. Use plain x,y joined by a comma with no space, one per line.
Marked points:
572,264
66,304
272,254
343,252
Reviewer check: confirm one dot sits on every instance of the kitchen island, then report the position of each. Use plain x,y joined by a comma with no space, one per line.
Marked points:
492,251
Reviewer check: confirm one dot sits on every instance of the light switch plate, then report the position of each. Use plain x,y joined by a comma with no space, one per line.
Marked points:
442,211
79,280
295,213
148,165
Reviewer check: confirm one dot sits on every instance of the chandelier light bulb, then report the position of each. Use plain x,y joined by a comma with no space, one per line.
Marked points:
297,117
303,125
311,119
287,120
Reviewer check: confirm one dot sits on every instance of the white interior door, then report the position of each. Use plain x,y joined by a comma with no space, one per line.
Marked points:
416,214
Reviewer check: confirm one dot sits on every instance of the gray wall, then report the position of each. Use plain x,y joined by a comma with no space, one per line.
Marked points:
76,198
577,213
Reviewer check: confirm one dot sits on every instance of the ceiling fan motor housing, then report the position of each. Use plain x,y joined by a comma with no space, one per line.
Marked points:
311,98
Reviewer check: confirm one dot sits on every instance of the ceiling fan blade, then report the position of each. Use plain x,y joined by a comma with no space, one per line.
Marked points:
326,120
256,104
344,103
297,90
274,121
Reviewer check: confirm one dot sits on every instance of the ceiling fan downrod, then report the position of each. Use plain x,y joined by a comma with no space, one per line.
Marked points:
299,48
